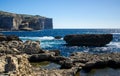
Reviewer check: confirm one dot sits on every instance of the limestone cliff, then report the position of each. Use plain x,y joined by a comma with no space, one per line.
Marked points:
11,21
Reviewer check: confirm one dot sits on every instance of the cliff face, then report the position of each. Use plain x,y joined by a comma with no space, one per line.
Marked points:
11,21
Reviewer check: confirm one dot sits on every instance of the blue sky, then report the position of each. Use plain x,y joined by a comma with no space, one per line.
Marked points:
70,13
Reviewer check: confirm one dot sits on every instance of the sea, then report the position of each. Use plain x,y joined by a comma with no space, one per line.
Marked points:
48,42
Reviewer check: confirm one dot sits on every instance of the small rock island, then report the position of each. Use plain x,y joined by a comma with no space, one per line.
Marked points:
88,39
12,21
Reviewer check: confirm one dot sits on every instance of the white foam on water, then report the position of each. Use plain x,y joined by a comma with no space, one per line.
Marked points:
115,33
114,44
46,38
37,38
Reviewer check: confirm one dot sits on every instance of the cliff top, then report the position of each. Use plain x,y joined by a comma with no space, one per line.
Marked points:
8,14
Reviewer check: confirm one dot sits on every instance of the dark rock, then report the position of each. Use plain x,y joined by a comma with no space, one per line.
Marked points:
59,58
67,64
9,37
13,37
96,60
40,57
58,37
57,52
88,39
3,37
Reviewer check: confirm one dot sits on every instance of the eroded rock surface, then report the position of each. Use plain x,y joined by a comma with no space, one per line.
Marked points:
89,61
15,65
13,45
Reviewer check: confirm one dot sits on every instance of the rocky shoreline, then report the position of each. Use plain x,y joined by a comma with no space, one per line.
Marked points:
16,56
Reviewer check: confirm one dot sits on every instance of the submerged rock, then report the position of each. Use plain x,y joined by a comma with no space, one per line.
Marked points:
88,39
58,37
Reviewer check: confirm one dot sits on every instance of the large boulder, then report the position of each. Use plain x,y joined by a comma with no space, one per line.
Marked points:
88,39
31,47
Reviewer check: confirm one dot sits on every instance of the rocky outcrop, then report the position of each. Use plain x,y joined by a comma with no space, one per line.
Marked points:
17,47
58,37
13,45
31,47
89,61
15,65
88,39
11,21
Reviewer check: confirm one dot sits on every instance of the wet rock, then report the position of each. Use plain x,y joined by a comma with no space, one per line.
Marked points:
67,64
88,39
41,57
59,58
9,37
58,37
13,37
3,37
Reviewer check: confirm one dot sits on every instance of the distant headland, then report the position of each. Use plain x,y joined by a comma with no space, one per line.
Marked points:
15,22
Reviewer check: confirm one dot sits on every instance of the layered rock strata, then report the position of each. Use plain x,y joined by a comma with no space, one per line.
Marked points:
12,21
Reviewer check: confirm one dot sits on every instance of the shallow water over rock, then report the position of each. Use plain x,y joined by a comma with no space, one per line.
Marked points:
45,65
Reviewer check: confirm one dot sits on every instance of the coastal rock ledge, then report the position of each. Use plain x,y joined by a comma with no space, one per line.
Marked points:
88,39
